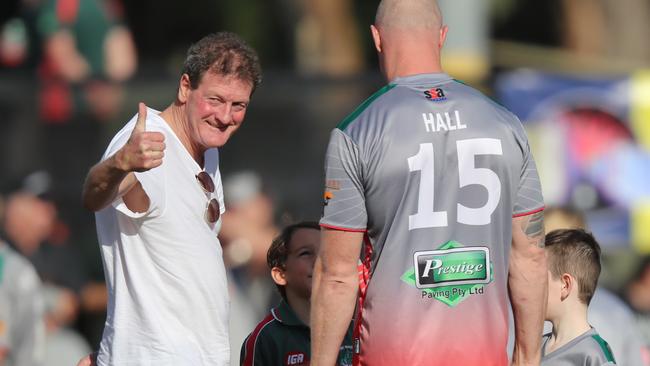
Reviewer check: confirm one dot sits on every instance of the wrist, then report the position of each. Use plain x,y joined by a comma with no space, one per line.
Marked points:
523,358
119,162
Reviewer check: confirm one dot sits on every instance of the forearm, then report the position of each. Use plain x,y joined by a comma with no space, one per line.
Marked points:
102,184
333,302
528,290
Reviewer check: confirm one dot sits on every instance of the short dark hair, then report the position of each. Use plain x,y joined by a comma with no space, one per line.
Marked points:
222,53
576,252
279,249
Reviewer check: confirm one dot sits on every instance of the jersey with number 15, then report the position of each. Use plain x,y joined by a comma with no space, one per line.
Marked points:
432,172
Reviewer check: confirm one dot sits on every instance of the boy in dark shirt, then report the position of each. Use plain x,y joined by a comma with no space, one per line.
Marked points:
282,337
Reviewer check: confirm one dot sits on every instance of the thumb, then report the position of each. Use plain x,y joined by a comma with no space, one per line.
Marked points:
140,123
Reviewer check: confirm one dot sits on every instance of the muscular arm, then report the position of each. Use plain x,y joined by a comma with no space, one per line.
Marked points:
334,293
528,281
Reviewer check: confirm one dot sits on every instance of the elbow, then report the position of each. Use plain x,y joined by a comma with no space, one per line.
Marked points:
535,255
88,203
340,279
341,282
528,267
530,254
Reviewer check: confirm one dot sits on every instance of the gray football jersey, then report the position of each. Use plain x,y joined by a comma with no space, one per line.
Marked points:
588,349
432,172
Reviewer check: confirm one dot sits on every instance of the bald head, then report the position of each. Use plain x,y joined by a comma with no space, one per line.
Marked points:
408,37
409,14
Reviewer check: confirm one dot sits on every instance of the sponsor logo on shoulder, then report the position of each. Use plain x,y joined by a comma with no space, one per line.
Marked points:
451,273
435,94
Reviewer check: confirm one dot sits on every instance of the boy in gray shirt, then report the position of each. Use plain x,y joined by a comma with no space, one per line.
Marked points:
573,257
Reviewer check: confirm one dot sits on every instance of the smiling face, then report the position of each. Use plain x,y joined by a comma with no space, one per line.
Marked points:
215,109
297,273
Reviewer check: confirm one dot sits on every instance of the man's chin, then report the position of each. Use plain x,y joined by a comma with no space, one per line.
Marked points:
217,140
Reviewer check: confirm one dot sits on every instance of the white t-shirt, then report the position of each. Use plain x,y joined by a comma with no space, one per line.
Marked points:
168,296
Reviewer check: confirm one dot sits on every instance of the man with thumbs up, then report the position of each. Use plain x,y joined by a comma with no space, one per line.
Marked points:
158,199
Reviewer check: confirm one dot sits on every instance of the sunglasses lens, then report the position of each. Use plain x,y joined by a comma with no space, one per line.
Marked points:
205,181
212,214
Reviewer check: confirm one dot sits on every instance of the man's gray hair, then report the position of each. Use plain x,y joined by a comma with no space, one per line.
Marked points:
225,54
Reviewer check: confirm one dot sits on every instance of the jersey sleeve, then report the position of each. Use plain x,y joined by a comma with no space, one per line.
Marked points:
257,347
344,201
152,181
254,351
529,198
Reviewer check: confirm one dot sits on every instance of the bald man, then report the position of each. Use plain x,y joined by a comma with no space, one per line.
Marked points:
435,185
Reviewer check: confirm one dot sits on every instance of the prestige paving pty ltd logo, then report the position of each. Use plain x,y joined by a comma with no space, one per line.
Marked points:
451,273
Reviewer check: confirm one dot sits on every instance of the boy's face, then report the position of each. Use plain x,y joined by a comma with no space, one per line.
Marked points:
299,267
555,297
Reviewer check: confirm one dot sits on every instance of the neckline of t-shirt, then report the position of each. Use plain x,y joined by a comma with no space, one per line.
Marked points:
171,131
568,344
418,78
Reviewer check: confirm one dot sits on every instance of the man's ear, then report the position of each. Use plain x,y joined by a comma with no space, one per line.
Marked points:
443,36
568,285
277,274
376,37
184,87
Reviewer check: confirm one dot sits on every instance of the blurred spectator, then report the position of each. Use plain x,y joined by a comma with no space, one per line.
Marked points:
13,43
247,231
248,225
637,294
21,311
87,52
29,222
32,227
63,346
327,38
607,312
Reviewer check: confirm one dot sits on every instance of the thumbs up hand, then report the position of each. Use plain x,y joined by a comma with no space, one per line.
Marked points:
144,150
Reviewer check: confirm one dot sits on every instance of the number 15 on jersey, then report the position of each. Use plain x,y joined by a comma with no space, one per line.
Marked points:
468,174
